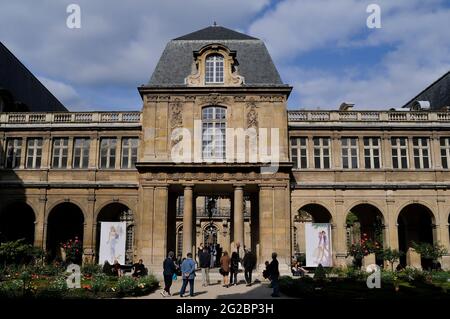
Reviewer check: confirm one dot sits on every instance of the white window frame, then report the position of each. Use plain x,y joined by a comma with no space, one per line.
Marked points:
13,152
348,157
110,147
214,69
444,143
84,145
397,146
297,150
321,147
60,152
421,158
34,152
214,124
370,148
129,154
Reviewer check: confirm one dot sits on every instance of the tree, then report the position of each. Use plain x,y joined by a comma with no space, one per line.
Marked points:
392,256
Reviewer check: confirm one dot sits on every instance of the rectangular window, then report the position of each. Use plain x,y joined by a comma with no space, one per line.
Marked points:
321,152
445,152
299,152
81,148
372,152
349,152
399,152
60,152
108,152
421,151
34,152
13,152
129,151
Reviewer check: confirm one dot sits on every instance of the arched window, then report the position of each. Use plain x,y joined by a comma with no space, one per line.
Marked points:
214,69
213,132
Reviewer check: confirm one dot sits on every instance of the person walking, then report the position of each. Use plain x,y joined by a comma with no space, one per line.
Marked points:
205,261
234,268
249,263
169,268
188,274
225,261
274,275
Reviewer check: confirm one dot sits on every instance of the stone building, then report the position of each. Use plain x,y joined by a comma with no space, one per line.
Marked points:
166,169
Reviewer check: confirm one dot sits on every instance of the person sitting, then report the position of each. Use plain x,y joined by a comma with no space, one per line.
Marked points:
117,269
139,269
265,272
107,268
298,270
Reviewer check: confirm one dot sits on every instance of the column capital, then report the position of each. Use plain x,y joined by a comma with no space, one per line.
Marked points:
188,185
238,185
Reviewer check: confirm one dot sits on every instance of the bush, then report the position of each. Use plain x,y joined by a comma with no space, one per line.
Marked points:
74,250
100,283
126,285
91,269
18,252
11,289
320,274
147,284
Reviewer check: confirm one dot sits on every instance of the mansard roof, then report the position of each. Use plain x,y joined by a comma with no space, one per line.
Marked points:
176,62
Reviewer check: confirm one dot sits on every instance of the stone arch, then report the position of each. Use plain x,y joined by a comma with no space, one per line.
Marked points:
65,221
117,212
418,202
415,224
369,216
210,233
319,212
59,202
125,202
18,220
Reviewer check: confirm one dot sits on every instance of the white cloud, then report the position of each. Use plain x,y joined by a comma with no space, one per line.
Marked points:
64,92
415,31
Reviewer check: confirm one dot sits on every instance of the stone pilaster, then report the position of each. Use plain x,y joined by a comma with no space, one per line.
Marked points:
238,215
188,220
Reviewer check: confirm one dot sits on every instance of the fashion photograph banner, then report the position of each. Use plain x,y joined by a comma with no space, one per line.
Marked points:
318,244
112,242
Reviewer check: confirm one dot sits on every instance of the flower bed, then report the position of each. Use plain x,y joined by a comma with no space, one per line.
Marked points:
50,282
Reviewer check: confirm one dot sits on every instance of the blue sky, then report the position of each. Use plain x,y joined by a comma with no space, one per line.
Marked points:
323,48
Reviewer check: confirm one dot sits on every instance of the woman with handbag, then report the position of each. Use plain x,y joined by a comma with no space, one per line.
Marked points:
224,270
234,268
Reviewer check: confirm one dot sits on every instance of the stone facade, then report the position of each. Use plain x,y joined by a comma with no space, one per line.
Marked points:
61,174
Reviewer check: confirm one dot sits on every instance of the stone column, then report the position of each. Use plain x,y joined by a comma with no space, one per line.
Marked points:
340,237
238,235
187,220
88,234
151,232
39,224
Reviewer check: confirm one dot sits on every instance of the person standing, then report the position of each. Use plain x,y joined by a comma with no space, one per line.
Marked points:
199,251
213,253
234,268
274,275
225,268
205,261
188,274
249,263
169,268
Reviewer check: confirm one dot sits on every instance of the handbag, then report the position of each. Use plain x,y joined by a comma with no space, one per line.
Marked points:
174,277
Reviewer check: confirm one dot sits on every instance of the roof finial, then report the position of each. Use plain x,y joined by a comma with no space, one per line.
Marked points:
215,24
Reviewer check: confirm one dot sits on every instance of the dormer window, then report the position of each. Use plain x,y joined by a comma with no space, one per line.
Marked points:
214,69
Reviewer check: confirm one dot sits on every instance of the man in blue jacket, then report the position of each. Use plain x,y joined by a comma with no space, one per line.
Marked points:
188,274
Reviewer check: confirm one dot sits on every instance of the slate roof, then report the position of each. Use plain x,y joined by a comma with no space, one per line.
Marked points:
437,93
23,86
255,63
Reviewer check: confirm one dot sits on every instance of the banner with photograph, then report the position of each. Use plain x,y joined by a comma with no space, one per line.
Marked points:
112,242
318,244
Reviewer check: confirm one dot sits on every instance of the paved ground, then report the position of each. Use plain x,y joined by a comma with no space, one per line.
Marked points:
259,290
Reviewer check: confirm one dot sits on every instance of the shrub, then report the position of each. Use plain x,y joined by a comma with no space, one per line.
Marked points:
18,252
100,283
91,269
320,274
365,247
147,284
11,289
58,283
126,285
74,250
